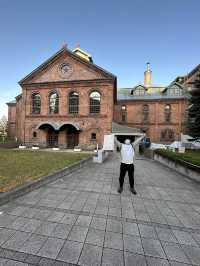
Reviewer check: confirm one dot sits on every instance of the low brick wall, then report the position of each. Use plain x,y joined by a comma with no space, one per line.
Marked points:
185,168
17,192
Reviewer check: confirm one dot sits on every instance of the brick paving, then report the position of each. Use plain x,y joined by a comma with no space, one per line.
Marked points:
82,220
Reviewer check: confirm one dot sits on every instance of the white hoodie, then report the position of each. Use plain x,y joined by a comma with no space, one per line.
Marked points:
127,153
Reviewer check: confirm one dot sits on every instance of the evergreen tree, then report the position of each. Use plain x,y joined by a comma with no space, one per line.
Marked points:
194,110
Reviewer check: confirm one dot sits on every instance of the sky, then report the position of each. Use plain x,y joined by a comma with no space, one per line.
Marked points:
121,36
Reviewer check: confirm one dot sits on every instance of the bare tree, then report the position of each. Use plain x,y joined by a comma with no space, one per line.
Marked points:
3,127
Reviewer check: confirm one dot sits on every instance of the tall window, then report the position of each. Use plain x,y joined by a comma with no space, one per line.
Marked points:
167,111
145,111
95,99
73,102
123,111
36,103
53,103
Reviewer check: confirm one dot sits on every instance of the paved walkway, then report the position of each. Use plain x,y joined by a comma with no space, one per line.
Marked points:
83,221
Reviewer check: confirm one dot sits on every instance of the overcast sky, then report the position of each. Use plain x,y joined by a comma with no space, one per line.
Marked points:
121,36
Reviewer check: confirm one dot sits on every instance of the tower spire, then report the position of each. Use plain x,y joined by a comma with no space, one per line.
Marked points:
147,75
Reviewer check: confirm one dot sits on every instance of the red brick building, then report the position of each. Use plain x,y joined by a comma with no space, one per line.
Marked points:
69,101
66,102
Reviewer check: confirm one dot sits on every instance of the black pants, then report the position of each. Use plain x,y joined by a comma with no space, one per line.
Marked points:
123,169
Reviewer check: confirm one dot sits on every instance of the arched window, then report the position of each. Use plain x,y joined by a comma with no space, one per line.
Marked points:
73,102
53,103
167,111
123,113
36,103
145,111
95,99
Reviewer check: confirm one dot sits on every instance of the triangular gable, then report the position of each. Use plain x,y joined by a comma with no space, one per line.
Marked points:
174,88
138,88
66,66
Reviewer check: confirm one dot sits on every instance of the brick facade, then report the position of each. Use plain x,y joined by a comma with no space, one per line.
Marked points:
84,79
155,122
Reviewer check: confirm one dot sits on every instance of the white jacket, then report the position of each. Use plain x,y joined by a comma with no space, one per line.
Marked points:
127,150
127,153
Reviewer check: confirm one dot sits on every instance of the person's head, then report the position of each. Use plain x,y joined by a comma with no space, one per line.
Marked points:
127,141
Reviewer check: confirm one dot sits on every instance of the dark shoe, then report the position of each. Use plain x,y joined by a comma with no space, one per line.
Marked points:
133,191
120,189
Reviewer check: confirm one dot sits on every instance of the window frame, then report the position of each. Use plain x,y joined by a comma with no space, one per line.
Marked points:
73,109
94,106
56,111
34,105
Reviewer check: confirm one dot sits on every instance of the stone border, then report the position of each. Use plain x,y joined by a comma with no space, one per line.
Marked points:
20,191
189,170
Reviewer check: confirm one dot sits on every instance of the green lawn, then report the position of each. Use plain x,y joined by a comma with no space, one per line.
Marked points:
191,156
18,167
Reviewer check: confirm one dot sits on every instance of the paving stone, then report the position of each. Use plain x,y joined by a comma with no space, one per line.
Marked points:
7,253
132,259
112,257
175,252
166,234
133,244
5,234
46,228
156,262
95,237
46,262
3,261
32,259
193,253
70,252
69,218
83,220
185,238
147,231
130,229
114,226
33,244
175,263
153,248
61,231
98,223
113,240
115,212
90,256
20,256
51,248
56,216
16,241
42,214
31,225
15,263
78,233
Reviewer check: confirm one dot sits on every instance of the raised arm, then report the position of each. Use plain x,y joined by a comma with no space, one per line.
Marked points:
137,141
117,142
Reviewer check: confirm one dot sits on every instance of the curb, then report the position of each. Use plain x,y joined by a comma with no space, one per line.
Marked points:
20,191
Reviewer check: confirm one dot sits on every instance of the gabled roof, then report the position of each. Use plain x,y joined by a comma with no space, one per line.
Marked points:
171,86
76,57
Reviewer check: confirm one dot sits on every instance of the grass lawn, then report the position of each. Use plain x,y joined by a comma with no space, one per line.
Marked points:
191,156
19,167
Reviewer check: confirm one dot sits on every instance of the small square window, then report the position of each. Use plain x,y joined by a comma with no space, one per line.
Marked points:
35,134
93,136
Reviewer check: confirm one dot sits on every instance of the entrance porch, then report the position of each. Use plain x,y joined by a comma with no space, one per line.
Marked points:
64,136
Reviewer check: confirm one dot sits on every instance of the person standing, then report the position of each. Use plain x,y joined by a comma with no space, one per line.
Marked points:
127,158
